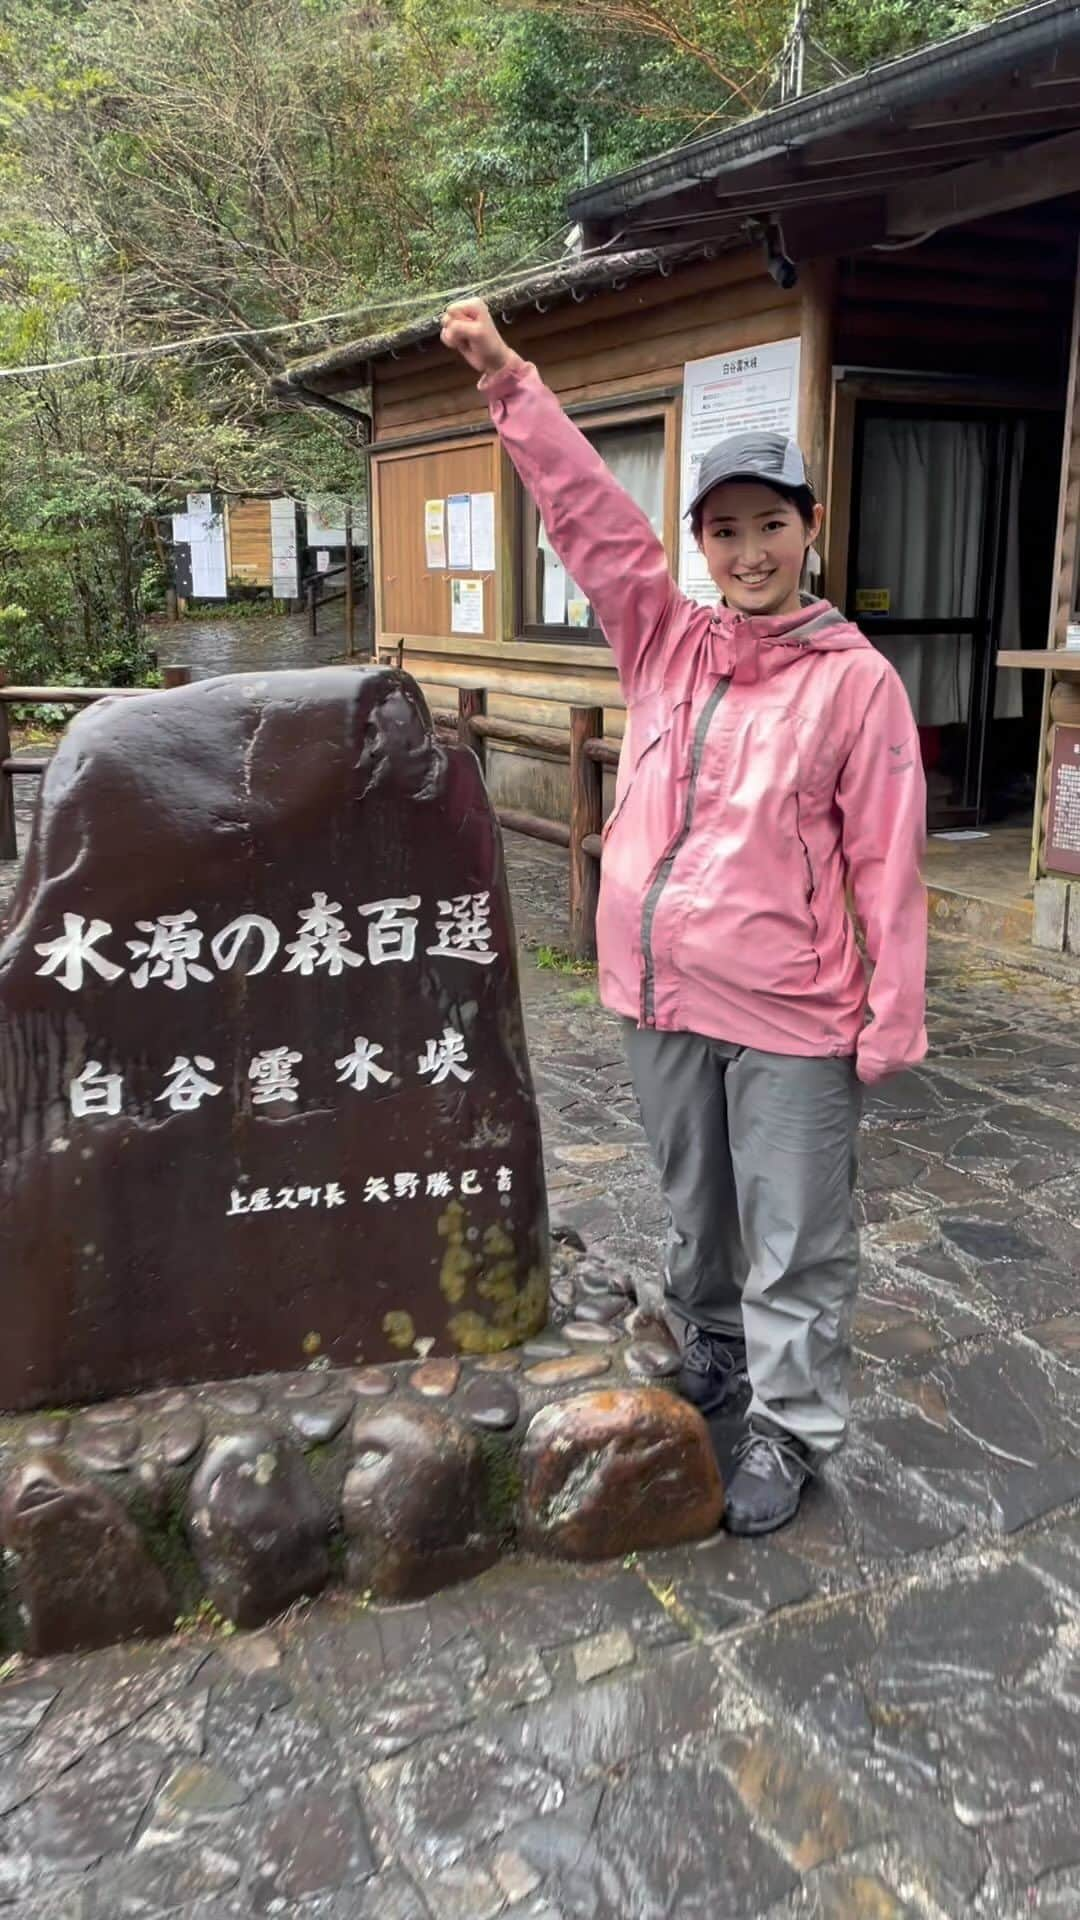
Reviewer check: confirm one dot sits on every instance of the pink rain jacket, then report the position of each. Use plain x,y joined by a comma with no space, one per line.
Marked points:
768,764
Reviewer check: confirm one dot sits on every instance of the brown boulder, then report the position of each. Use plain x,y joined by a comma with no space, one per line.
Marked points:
611,1472
83,1576
414,1503
257,1526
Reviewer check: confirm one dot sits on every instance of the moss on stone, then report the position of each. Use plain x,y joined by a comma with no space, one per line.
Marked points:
399,1329
164,1530
502,1486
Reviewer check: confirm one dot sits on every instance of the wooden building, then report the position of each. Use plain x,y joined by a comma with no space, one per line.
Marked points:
889,266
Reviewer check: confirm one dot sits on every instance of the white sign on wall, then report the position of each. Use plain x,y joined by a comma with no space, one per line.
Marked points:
204,531
284,553
749,389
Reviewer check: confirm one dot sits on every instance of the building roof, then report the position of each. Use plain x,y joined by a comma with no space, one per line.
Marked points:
888,155
977,95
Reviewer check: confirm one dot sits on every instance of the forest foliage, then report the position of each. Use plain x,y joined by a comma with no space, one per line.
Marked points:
176,168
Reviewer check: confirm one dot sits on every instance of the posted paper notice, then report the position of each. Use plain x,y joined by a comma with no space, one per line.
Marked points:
459,518
435,532
466,606
554,590
483,532
751,389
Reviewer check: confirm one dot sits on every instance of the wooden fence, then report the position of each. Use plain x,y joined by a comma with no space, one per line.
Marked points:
37,763
471,726
352,574
588,754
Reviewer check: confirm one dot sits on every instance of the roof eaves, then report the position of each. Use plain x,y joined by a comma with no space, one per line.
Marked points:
847,104
568,279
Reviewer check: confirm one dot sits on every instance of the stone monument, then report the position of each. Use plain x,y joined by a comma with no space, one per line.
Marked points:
264,1091
273,1232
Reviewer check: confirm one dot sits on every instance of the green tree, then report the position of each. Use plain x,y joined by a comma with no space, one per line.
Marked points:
177,168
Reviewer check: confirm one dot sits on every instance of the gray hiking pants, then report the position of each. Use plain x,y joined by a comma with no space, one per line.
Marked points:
757,1160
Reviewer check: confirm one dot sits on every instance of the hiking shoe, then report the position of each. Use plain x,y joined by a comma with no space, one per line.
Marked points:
712,1372
771,1470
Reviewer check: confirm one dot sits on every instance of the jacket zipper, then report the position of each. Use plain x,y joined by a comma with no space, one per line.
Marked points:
663,871
811,887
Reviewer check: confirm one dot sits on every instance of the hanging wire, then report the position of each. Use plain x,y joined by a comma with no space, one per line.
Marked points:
505,280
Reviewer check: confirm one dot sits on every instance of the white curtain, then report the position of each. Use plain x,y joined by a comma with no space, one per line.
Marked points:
635,455
636,458
1009,690
923,502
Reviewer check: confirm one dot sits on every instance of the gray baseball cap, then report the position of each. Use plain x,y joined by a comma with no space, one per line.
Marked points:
768,457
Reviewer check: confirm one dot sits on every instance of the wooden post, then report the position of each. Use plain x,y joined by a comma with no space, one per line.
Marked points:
8,846
176,676
1066,541
586,819
471,703
312,595
817,284
350,606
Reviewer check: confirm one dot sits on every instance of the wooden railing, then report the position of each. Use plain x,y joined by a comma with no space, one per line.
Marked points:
588,754
35,764
316,595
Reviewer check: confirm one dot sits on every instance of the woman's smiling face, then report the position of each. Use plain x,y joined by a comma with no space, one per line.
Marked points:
754,542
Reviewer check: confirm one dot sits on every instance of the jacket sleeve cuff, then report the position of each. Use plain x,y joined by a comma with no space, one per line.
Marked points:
872,1072
496,386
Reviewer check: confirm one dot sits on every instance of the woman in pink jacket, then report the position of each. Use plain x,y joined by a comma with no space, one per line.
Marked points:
771,765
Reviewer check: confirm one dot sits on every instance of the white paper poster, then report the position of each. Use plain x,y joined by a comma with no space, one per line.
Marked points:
554,590
435,533
751,389
322,561
466,606
460,530
483,532
206,533
284,558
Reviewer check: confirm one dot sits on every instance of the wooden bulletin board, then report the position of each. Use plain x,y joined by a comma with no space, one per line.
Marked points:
415,598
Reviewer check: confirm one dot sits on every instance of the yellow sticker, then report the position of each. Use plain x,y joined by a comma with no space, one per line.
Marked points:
872,599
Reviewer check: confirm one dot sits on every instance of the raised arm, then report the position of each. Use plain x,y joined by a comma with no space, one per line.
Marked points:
601,536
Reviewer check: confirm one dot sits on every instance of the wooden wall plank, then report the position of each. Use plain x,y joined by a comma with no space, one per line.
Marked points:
633,365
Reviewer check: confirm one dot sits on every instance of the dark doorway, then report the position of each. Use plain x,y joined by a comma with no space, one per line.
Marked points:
951,556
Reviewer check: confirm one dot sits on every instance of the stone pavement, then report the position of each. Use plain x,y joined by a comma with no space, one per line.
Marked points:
874,1715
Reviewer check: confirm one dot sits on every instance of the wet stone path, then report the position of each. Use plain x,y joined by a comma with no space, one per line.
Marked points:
873,1716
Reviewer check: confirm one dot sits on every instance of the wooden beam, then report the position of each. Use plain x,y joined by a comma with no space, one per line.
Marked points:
817,283
1063,589
1068,523
838,495
1011,179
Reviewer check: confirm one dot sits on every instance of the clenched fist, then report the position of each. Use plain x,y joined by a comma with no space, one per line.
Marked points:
469,329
